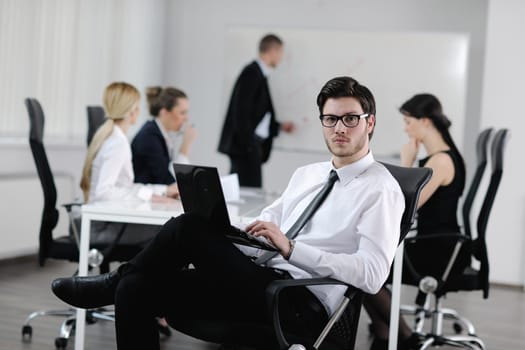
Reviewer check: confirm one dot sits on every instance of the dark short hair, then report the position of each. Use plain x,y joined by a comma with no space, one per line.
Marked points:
269,41
159,97
347,87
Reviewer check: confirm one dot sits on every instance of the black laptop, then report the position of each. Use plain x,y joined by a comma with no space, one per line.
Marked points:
201,193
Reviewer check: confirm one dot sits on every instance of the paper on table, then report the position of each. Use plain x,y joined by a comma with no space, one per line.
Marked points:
231,188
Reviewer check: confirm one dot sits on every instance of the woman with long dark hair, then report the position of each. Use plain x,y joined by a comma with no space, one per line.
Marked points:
426,125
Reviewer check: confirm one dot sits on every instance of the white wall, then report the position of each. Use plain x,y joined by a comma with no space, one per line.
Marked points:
64,53
21,201
195,54
502,108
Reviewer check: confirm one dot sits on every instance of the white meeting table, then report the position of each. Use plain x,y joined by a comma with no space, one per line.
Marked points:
252,201
242,211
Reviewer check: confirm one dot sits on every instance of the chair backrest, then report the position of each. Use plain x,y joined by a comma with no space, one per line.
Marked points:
50,213
481,164
480,247
96,117
411,181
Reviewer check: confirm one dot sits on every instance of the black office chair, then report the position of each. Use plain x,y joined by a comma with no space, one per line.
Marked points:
481,154
340,331
96,117
481,163
63,247
470,279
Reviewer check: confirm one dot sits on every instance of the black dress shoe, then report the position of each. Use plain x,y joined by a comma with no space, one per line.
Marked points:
87,292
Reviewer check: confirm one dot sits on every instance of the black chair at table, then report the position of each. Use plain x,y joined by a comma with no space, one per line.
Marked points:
340,331
96,117
421,307
473,246
63,247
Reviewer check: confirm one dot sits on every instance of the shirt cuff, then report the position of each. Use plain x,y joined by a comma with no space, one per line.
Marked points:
304,256
145,193
160,190
182,159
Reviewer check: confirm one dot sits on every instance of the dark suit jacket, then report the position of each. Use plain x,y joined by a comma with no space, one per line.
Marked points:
150,156
249,102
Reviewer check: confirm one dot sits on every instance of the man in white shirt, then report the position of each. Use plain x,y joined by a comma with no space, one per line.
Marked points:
351,237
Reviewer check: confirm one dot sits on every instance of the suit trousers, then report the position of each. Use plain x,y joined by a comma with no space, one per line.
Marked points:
224,285
248,166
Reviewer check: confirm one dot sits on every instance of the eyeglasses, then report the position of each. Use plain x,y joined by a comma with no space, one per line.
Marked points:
349,120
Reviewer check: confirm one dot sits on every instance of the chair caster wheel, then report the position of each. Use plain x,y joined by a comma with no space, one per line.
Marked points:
27,333
458,328
60,343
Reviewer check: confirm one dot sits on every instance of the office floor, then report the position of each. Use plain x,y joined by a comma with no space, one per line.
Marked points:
24,287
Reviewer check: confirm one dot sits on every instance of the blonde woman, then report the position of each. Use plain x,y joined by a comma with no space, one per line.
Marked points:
108,172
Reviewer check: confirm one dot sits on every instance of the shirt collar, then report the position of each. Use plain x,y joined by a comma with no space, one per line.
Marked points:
119,132
351,171
266,70
161,128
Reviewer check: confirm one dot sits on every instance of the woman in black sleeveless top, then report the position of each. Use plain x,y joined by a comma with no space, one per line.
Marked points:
425,124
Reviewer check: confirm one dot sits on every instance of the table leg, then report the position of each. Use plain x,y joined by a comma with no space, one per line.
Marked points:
82,271
396,298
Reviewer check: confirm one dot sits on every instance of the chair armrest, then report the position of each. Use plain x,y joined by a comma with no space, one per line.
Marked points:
456,236
69,206
272,297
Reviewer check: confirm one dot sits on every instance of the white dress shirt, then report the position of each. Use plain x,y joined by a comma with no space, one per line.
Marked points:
112,172
171,144
263,128
353,235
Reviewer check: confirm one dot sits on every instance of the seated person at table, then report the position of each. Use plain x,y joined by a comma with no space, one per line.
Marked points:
352,237
153,147
425,124
108,173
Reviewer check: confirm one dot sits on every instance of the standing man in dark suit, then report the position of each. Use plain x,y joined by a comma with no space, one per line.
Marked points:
250,124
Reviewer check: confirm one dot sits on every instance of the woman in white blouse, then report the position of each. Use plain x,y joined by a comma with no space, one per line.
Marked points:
108,171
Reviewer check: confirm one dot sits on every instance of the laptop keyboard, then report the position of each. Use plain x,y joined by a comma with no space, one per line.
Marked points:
257,240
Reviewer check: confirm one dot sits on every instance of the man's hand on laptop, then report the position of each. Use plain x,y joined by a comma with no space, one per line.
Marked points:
272,233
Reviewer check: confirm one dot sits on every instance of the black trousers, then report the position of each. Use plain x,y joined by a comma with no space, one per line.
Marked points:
248,166
225,285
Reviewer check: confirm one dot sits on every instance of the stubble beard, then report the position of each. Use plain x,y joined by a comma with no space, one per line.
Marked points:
350,150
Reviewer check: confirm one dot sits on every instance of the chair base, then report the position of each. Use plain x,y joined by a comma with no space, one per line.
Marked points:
459,341
68,326
436,336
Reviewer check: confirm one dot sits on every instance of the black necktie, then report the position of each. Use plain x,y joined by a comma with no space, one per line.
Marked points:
305,215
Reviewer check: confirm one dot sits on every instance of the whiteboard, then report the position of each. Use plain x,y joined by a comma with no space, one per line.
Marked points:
394,66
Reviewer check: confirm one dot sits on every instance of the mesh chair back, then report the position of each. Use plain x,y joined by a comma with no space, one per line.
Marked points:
481,155
50,213
96,117
480,246
411,181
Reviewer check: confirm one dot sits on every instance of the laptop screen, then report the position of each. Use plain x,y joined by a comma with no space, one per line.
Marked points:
201,193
